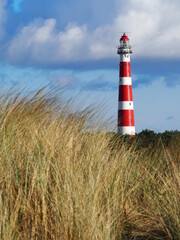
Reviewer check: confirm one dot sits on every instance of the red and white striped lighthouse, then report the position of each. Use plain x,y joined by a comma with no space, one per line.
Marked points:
126,123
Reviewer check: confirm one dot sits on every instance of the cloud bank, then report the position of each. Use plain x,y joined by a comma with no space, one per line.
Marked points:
154,27
41,43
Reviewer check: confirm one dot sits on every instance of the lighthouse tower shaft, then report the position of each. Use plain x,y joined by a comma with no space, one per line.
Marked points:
126,124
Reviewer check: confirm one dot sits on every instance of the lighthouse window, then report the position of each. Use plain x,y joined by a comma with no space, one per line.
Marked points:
130,120
129,104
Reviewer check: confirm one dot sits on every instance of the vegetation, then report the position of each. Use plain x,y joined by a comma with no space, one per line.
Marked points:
148,138
62,180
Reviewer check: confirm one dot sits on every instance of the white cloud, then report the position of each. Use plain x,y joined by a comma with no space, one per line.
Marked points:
40,42
154,27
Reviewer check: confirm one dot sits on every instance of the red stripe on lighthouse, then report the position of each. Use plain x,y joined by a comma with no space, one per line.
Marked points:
125,93
126,118
125,69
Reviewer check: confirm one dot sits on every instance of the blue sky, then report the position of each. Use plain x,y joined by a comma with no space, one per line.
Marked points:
73,43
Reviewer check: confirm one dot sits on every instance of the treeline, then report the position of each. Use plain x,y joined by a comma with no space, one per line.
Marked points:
148,138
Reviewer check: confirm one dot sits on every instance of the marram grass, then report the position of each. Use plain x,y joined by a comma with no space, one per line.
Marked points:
60,180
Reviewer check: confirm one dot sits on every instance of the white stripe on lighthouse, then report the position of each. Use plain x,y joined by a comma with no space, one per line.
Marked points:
125,58
125,81
126,105
127,130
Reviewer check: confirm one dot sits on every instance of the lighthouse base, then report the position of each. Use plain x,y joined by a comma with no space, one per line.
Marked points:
127,130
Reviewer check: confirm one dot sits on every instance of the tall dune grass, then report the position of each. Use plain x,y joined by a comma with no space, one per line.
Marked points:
61,181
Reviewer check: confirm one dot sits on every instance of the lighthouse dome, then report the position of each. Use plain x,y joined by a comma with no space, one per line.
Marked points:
124,38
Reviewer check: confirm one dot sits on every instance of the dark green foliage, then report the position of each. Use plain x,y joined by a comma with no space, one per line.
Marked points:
146,139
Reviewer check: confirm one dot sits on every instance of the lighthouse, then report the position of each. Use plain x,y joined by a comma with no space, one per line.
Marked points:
126,124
